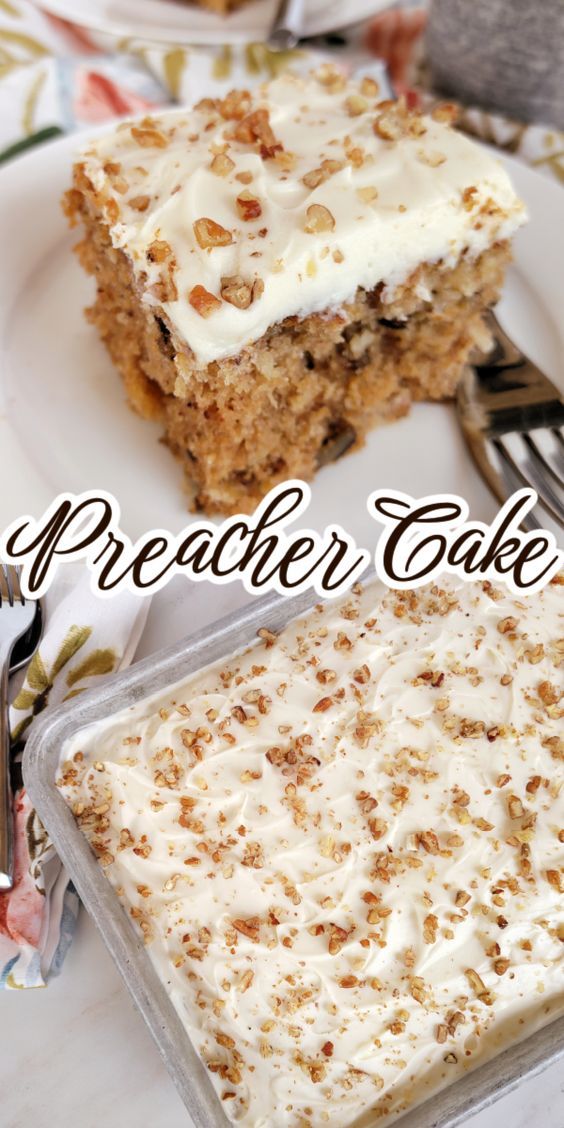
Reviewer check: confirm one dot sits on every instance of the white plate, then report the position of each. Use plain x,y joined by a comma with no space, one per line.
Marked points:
67,425
179,21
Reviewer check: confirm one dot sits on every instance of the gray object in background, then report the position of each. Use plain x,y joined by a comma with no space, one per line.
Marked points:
452,1106
502,55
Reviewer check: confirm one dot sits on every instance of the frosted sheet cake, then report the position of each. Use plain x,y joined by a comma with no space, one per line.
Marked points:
343,848
279,271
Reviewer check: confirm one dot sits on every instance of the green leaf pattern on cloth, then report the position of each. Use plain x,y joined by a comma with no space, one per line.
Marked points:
10,9
84,640
98,662
33,697
75,639
174,62
31,100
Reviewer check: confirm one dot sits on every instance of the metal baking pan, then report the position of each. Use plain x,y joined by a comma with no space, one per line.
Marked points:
446,1109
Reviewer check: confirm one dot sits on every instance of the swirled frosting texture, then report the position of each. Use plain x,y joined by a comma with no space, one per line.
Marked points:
343,848
318,189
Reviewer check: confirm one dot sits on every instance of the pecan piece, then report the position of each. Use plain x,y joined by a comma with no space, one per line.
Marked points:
202,301
210,234
249,928
319,219
248,206
236,291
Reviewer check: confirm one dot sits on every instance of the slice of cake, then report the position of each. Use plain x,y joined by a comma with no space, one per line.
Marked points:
277,272
344,848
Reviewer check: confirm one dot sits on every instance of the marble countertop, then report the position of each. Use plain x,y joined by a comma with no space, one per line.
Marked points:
78,1055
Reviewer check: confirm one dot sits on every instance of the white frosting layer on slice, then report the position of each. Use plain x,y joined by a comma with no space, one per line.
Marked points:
343,849
430,194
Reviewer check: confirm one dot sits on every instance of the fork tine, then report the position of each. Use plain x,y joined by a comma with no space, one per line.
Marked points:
559,452
536,453
545,495
14,582
9,583
4,586
512,480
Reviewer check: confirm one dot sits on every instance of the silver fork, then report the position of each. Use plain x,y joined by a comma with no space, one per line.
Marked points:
287,25
512,418
16,617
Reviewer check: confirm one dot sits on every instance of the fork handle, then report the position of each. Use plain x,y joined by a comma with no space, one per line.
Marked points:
6,812
287,25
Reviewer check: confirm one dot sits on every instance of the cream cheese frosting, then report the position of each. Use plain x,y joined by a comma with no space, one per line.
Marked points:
344,847
345,192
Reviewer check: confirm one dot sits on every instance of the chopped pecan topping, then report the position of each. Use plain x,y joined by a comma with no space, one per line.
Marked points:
255,128
248,206
548,693
203,302
355,105
445,112
377,828
478,986
330,76
555,878
533,784
221,164
319,219
323,705
348,981
337,937
210,234
462,898
430,928
501,966
506,625
236,291
362,675
234,106
139,203
249,928
319,175
369,87
148,137
429,841
268,637
367,194
394,121
515,807
158,251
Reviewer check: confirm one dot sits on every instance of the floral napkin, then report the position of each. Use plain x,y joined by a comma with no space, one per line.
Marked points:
85,638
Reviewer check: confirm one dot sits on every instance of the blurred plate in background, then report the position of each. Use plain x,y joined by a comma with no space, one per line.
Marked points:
181,21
